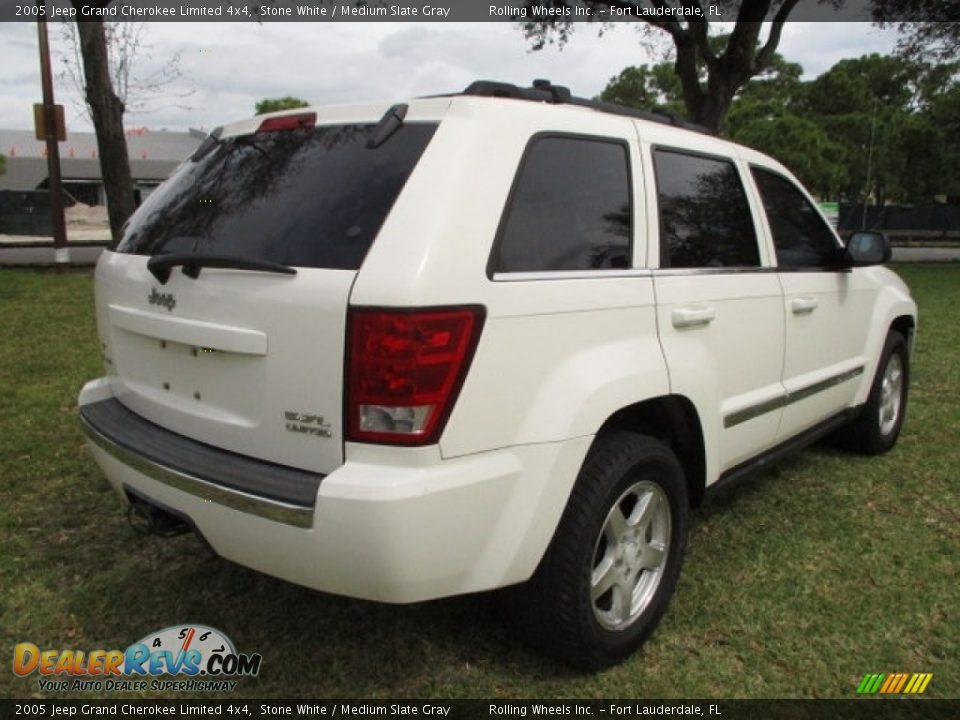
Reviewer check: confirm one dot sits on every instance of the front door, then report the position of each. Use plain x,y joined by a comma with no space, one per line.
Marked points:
826,310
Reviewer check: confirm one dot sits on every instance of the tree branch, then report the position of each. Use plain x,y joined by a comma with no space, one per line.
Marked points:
671,26
700,31
765,56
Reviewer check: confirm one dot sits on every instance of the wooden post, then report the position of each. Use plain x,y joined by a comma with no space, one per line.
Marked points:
61,253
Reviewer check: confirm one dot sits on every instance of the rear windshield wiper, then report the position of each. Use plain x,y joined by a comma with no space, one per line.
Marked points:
390,122
161,265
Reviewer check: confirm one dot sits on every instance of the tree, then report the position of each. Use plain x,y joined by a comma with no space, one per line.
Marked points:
856,102
706,99
797,142
899,116
106,110
646,87
762,116
779,83
894,115
943,112
3,164
929,29
269,105
127,48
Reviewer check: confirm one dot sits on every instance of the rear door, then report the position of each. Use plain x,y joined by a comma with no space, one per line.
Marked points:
244,359
719,306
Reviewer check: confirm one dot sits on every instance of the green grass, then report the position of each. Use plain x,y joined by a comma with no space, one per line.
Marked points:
795,585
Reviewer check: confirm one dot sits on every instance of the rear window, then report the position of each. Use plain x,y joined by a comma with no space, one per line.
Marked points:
570,208
313,197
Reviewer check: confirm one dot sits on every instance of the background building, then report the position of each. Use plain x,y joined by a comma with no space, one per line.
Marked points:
153,156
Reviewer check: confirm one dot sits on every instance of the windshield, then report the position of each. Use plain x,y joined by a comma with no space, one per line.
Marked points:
312,197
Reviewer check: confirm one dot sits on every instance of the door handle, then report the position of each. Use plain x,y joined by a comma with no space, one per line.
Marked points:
692,316
802,305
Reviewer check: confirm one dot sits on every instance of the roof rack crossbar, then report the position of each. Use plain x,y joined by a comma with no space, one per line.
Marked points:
544,91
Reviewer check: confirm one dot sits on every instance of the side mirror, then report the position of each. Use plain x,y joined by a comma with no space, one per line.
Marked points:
866,247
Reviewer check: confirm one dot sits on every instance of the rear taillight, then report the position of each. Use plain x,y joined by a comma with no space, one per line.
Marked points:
404,371
289,122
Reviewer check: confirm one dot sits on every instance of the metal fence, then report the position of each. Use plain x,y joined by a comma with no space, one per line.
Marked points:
25,212
920,221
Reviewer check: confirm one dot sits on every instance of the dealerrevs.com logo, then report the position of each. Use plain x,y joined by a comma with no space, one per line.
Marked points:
204,655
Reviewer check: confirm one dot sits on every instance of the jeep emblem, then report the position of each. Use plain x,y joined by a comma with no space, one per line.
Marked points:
166,300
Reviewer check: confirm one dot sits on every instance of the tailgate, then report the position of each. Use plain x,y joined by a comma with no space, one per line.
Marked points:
249,356
247,362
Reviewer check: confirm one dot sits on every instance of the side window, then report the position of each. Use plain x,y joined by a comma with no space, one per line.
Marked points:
570,208
705,220
800,235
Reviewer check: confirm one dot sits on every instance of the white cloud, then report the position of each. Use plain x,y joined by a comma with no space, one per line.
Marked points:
819,46
231,66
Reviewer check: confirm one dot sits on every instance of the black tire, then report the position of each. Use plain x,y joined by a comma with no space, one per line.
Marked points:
642,478
873,432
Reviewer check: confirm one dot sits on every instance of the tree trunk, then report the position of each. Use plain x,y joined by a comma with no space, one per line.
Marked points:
715,104
107,112
688,71
725,75
708,108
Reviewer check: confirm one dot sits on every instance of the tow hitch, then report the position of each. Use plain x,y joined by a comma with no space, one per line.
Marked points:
148,519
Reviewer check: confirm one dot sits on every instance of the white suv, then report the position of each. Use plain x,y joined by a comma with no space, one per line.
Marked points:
502,337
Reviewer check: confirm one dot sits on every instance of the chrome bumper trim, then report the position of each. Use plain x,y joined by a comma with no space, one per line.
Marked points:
262,507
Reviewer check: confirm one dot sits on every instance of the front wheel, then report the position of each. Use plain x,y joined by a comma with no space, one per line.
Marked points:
877,427
613,564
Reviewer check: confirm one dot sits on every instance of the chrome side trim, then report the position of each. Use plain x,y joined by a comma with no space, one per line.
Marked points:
571,274
262,507
725,270
737,270
824,384
748,413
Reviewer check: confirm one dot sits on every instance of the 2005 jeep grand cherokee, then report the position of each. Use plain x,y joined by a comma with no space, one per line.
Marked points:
503,337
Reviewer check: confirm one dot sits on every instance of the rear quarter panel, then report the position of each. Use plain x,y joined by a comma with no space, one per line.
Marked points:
557,356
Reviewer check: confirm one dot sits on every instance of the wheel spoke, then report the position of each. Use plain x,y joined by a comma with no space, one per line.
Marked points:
620,602
652,556
604,576
895,377
616,526
649,504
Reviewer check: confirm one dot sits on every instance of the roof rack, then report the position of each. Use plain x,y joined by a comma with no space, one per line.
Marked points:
546,92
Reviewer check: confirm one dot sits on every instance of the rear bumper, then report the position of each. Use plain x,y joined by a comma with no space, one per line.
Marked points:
272,491
388,525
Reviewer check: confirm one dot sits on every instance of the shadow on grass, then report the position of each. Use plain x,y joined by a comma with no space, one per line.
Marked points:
313,644
316,644
728,496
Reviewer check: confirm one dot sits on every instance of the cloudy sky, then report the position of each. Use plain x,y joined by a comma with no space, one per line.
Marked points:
226,68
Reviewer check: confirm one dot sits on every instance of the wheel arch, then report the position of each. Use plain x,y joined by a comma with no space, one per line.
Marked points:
906,325
894,310
672,419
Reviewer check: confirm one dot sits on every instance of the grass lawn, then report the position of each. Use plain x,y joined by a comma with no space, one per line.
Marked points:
797,583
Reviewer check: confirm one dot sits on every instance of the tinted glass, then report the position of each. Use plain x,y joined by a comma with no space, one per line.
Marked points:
311,197
570,208
800,235
704,217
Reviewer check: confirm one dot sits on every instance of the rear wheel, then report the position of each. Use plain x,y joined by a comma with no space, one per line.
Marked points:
878,426
613,564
